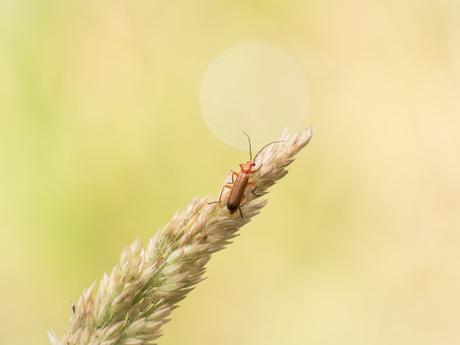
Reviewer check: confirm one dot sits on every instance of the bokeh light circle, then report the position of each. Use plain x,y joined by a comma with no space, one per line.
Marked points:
257,88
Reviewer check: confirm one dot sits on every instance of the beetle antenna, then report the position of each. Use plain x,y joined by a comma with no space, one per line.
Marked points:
250,153
273,142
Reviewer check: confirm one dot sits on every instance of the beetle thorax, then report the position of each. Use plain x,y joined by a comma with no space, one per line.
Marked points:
247,168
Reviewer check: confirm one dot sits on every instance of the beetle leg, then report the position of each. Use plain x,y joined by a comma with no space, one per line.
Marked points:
220,195
243,202
234,173
233,178
254,171
226,185
255,187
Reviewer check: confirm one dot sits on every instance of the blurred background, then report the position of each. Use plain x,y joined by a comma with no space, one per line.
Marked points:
102,140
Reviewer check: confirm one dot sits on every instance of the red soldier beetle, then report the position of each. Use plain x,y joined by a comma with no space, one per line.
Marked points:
237,198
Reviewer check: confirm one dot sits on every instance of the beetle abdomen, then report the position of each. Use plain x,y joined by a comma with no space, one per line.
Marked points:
232,207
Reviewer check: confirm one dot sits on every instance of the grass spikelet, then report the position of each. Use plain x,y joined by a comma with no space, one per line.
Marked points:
132,303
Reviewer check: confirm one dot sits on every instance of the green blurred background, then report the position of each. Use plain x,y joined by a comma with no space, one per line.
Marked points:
102,140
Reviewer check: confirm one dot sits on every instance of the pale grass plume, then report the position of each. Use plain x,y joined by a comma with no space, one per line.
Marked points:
136,298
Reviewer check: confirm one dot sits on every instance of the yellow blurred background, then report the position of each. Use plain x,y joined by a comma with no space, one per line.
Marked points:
102,140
